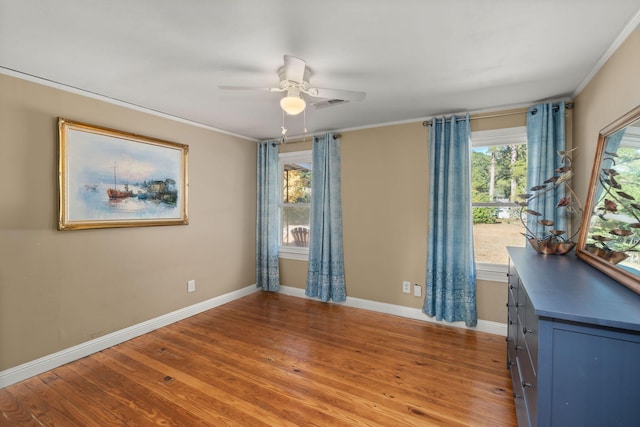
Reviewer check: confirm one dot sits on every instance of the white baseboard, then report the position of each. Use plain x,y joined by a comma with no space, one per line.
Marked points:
411,313
51,361
46,363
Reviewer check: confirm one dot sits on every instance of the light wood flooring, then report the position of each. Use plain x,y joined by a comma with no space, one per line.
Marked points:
275,360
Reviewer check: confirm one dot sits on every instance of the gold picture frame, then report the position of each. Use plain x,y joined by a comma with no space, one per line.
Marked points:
108,179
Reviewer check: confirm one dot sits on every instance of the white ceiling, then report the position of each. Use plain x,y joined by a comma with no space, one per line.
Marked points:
413,58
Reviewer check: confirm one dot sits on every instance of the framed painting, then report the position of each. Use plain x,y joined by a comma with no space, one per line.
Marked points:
109,178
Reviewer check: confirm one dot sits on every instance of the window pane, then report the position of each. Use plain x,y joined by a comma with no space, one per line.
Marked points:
295,226
296,183
499,173
493,230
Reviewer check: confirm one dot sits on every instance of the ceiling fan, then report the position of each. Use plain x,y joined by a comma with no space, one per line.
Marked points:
294,79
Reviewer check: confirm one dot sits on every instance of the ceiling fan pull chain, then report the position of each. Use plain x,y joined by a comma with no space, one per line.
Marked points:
283,130
304,126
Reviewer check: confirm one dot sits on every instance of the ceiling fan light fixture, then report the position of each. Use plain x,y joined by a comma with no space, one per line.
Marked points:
293,104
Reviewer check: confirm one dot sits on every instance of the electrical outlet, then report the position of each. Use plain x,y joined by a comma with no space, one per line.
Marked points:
191,286
406,287
417,290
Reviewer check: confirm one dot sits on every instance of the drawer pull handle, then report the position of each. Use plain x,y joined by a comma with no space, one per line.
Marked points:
527,331
526,384
518,347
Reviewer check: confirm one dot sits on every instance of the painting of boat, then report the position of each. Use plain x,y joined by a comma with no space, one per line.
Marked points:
113,179
114,193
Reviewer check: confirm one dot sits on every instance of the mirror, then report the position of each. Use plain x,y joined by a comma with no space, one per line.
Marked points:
610,235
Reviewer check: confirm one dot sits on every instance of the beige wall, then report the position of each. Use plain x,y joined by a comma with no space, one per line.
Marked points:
614,91
61,288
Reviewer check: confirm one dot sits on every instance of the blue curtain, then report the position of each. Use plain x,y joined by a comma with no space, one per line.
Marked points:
267,222
325,279
451,270
545,136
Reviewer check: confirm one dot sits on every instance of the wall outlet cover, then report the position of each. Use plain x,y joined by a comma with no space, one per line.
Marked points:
191,286
406,287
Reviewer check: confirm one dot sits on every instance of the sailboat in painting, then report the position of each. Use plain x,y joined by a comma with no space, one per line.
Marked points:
114,193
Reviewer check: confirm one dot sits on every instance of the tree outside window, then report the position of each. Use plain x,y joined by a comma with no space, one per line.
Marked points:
498,176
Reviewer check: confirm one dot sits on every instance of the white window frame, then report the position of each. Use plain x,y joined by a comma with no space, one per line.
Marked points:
290,252
487,138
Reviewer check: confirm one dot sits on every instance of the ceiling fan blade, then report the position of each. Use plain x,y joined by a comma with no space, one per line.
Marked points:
294,68
345,95
324,103
267,89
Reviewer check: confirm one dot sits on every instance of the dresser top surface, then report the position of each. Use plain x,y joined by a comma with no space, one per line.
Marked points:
564,287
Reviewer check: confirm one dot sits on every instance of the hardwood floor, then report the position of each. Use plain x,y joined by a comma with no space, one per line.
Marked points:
276,360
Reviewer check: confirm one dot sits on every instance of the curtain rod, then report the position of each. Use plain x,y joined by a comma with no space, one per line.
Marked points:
315,138
567,106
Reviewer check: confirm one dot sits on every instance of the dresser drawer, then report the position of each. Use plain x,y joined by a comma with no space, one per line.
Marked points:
512,335
528,385
518,396
530,335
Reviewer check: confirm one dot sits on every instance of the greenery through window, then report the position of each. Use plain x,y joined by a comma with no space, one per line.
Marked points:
499,174
295,201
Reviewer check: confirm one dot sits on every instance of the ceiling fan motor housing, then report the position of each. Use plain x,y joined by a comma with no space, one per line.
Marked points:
285,84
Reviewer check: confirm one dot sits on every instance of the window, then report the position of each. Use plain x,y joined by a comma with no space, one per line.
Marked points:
295,204
499,174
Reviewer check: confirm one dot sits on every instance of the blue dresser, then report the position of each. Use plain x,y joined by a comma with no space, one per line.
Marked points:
573,344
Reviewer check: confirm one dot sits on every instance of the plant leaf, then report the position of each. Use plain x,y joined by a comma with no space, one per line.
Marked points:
625,195
609,153
610,172
635,206
532,212
552,179
635,225
545,222
538,187
610,206
601,238
620,232
525,195
557,232
614,183
563,169
564,177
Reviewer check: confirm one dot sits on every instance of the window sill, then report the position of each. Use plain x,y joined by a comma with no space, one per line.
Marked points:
301,254
491,272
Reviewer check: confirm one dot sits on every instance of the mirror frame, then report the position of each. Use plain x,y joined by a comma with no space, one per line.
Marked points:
624,277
